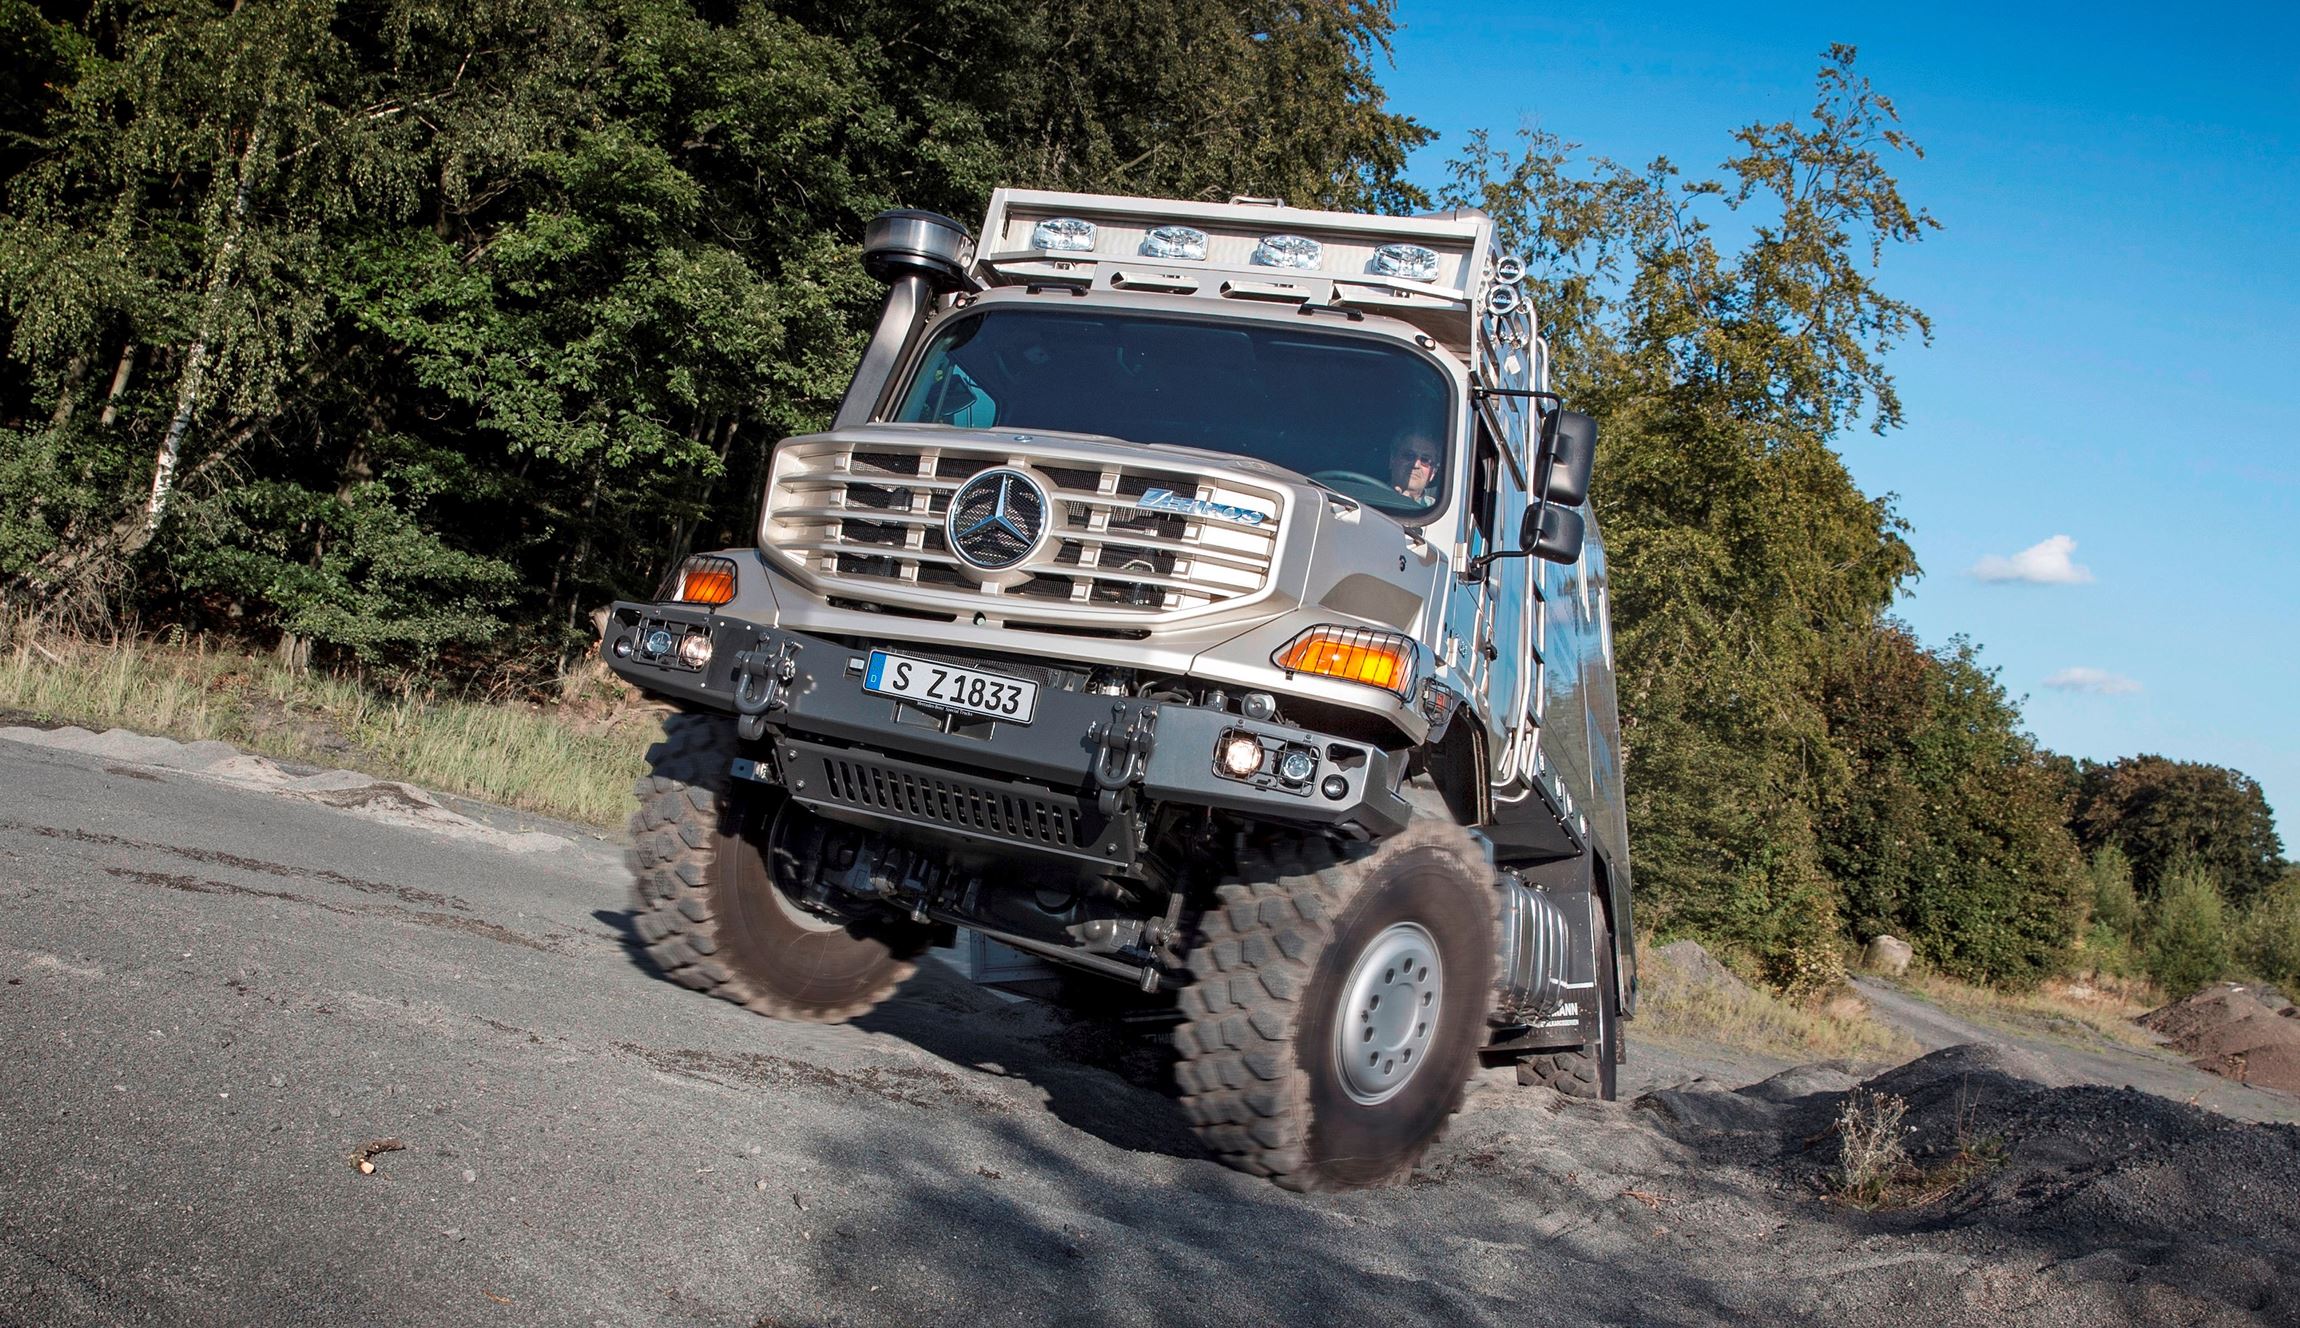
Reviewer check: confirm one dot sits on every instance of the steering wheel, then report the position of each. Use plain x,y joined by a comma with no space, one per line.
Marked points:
1334,479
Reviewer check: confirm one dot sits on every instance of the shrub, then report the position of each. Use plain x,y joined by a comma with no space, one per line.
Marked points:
2270,936
2114,905
2188,932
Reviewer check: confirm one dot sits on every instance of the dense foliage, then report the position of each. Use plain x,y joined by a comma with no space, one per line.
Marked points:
422,329
2159,812
413,332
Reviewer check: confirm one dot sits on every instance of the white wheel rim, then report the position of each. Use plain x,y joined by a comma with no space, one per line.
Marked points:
1389,1013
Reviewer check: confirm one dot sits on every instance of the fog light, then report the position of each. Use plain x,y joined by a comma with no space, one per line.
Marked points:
622,647
695,651
1240,755
1296,766
1335,787
1258,706
658,642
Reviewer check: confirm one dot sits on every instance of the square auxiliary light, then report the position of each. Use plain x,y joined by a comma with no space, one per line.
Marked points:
1175,242
1295,251
1063,235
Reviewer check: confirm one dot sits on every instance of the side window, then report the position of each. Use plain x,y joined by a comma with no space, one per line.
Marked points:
944,394
1484,484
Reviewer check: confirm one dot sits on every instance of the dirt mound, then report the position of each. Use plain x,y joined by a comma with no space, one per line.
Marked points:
2229,1031
2101,1195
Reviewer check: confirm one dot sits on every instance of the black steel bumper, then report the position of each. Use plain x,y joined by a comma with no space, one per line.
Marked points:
1066,784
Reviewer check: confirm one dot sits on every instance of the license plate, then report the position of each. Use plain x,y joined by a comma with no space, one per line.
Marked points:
951,687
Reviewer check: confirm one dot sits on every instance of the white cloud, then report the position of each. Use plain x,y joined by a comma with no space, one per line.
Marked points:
2099,682
2044,564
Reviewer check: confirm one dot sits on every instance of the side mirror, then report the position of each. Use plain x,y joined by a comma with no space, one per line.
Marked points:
1572,451
1552,532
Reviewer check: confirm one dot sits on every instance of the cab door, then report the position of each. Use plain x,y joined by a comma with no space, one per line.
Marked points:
1505,641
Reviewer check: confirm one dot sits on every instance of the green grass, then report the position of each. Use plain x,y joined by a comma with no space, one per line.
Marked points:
565,761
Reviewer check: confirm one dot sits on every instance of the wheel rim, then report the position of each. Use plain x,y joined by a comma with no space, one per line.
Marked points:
1389,1013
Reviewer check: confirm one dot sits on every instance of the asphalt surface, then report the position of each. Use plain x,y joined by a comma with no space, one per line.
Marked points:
216,997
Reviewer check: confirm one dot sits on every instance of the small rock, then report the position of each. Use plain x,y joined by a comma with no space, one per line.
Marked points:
469,1176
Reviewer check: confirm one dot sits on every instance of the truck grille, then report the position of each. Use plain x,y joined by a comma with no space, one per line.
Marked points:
867,520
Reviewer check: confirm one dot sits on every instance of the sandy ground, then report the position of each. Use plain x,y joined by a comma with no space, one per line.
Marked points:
215,993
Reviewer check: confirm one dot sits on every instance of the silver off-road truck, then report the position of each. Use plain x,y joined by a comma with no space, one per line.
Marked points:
1199,596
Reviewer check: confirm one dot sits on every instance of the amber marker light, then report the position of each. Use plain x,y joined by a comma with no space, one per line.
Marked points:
1352,654
704,580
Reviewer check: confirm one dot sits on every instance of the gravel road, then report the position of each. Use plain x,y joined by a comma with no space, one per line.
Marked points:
221,987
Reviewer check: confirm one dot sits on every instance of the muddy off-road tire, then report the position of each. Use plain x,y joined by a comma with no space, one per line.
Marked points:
1588,1071
1320,954
707,905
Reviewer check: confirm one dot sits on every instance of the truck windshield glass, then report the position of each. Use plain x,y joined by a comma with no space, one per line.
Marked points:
1363,417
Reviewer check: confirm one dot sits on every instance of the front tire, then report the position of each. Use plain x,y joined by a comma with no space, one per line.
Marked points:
1339,1002
709,907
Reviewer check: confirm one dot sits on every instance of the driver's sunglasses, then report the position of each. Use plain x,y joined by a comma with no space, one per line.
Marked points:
1422,458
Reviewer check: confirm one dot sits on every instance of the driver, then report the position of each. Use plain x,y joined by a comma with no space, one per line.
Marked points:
1414,461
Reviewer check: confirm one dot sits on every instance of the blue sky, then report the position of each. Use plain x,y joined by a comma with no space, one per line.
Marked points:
2113,293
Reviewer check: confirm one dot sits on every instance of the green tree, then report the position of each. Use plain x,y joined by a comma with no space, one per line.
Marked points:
1949,829
2271,933
1744,558
421,331
2188,929
2115,908
2160,811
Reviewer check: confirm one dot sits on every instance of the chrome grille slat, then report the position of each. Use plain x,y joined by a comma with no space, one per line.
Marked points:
866,520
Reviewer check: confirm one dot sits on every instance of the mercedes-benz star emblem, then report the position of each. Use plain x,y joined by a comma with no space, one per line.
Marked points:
996,519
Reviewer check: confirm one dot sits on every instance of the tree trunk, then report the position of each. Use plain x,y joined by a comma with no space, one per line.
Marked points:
68,396
192,386
120,379
680,545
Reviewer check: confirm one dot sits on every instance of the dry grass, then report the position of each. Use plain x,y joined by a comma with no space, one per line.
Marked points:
554,760
1753,1019
1874,1169
2098,1007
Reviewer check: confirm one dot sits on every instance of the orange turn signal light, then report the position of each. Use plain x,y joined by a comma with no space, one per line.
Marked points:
704,580
1352,654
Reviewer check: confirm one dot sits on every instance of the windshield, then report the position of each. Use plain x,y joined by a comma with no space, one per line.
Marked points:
1362,416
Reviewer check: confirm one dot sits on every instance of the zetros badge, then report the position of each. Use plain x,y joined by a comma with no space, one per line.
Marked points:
1166,500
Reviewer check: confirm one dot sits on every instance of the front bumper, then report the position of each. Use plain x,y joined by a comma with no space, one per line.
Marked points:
1070,783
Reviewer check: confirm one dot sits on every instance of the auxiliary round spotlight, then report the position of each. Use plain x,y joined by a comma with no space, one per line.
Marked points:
658,642
695,651
1296,766
1240,755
